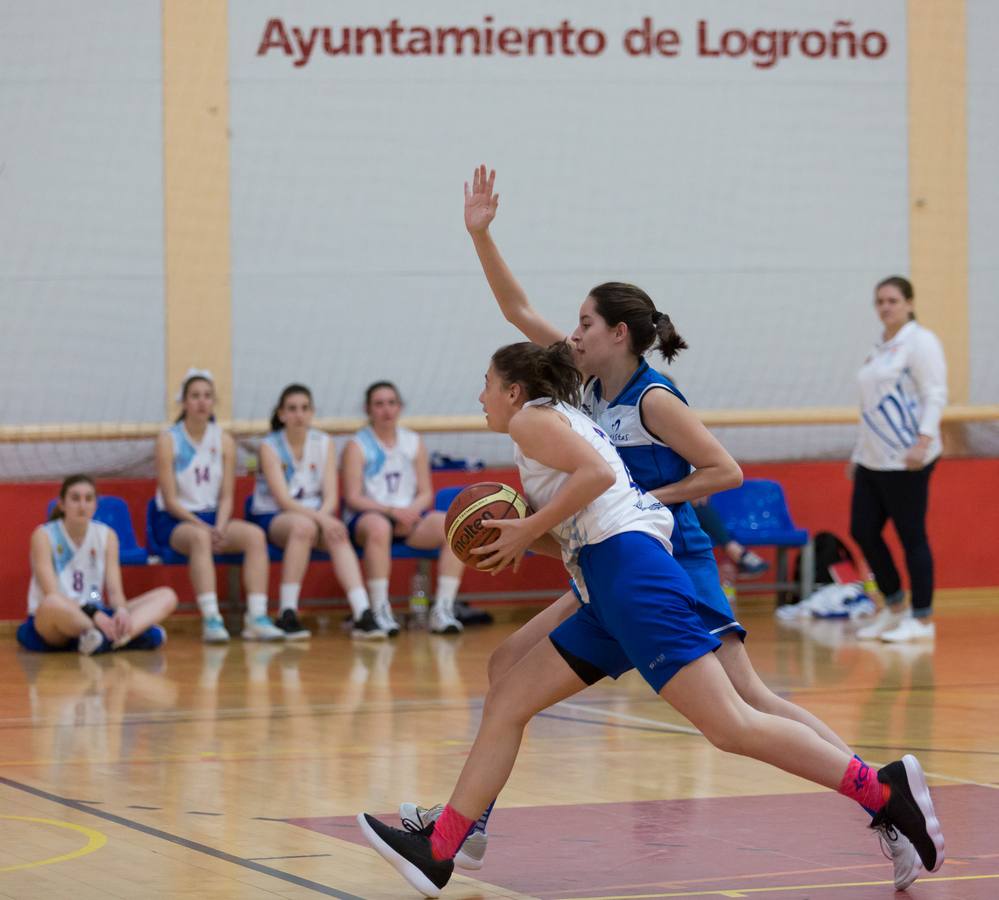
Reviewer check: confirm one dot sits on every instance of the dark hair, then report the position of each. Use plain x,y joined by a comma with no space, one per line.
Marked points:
904,287
542,371
68,482
377,386
290,391
185,387
618,302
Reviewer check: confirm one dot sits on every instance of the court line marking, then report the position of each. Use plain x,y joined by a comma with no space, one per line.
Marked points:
181,842
95,840
743,892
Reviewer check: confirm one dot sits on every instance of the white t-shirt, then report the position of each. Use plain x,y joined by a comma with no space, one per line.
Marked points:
197,468
389,472
79,569
903,391
303,476
621,508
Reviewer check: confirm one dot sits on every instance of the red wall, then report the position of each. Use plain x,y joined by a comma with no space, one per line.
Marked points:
964,517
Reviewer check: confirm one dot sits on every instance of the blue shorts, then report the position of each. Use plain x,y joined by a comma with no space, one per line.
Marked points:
642,614
29,638
354,519
164,524
263,520
712,604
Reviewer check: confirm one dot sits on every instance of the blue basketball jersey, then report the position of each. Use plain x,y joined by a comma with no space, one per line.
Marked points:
650,460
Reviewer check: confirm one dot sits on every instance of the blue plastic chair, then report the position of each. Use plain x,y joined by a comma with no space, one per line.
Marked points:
756,515
113,512
170,557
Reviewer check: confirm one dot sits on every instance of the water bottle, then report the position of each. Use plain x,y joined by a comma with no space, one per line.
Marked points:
419,603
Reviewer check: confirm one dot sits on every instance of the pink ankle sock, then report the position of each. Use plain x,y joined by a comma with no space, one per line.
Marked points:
450,831
860,783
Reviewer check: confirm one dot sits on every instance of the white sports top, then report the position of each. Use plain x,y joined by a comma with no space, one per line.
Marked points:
389,472
304,476
903,391
79,569
621,508
197,468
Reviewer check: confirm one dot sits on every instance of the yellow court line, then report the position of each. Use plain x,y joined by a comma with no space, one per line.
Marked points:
95,840
743,892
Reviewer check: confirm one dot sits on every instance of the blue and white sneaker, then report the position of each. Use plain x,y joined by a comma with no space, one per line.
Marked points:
213,631
751,564
154,636
261,628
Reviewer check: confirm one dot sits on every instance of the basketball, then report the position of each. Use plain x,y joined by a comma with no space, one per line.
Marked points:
474,506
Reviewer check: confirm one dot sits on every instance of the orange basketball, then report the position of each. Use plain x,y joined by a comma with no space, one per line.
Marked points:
474,506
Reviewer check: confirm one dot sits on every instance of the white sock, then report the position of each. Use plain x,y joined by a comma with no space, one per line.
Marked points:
358,600
289,596
447,591
378,592
209,605
256,605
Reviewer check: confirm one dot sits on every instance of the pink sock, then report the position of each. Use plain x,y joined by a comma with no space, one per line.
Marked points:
860,783
450,831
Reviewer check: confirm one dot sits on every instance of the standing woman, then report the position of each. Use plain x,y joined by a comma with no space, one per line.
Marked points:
196,474
76,600
903,391
295,502
389,495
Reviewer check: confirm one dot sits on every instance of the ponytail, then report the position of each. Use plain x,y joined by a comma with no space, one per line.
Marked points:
68,482
618,302
289,391
541,371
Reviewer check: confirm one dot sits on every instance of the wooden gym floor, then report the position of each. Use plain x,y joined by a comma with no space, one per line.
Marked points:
236,771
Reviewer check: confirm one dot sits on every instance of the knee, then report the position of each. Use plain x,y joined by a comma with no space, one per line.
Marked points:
377,530
302,529
498,663
500,707
201,542
50,603
729,733
256,540
168,599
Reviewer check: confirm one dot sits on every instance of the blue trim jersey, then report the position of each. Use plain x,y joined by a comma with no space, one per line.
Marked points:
197,468
303,476
79,569
651,462
389,472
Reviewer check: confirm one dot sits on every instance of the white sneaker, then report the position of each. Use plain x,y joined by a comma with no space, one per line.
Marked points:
90,641
261,628
442,620
213,631
472,852
884,621
904,859
385,620
909,629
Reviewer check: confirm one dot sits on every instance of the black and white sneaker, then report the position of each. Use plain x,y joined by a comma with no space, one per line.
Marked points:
366,628
292,627
910,810
409,853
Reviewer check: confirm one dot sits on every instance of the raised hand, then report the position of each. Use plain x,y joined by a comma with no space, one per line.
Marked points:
480,202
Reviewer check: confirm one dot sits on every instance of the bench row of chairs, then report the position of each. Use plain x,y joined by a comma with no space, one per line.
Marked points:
755,514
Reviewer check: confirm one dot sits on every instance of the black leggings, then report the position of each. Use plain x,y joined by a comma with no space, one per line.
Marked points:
903,498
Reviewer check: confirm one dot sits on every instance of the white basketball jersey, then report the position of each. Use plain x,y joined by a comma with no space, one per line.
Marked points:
79,569
622,507
389,472
304,476
197,468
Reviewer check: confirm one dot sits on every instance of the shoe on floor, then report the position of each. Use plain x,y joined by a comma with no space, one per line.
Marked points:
261,628
885,620
213,631
154,636
908,630
910,810
385,620
292,627
366,628
409,853
442,620
471,853
92,641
